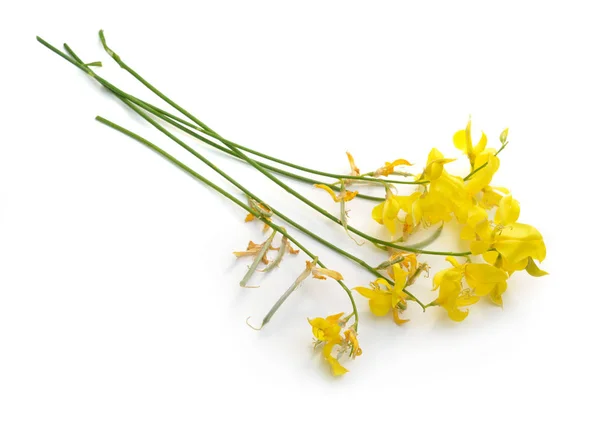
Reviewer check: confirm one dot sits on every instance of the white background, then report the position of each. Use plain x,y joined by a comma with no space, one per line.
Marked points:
119,301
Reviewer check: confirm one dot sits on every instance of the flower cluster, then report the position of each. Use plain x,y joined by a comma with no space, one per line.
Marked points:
488,218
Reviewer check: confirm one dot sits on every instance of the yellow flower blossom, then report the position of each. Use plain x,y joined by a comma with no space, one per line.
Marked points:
326,329
482,280
327,332
384,297
387,212
518,242
463,141
344,195
388,168
483,233
452,297
435,165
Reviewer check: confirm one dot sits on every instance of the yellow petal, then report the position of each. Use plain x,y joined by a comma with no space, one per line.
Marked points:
337,369
334,319
477,274
460,140
369,293
479,247
401,162
519,241
399,277
329,191
476,215
480,145
467,233
354,170
457,315
496,294
491,196
453,261
377,213
508,211
318,272
381,304
533,270
467,299
397,319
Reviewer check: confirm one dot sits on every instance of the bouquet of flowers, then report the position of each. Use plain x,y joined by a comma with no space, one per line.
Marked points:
487,215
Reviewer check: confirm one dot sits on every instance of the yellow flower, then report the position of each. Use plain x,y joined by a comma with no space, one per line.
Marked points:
452,297
387,212
344,195
516,243
482,280
383,297
389,167
435,165
486,280
448,196
327,332
483,233
462,140
326,329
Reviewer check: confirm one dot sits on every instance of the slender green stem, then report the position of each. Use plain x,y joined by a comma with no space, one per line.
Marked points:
230,197
265,172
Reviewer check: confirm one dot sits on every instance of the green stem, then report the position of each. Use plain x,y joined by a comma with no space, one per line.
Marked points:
266,173
230,197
